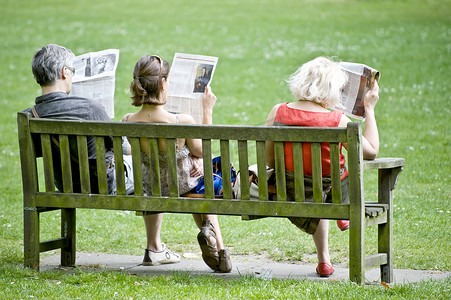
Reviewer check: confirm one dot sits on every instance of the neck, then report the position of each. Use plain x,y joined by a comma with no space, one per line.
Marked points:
152,107
310,103
56,87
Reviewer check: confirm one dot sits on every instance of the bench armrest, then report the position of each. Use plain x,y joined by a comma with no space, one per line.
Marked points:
383,163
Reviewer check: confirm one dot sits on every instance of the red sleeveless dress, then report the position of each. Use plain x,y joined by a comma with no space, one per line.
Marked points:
287,116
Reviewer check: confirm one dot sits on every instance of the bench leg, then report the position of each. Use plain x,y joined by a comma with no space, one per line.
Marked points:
387,182
356,251
31,238
68,229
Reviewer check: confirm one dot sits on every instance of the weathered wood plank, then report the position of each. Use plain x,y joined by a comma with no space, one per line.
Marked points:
298,169
66,168
137,169
154,164
383,163
261,170
356,228
317,173
83,164
335,172
119,165
195,205
243,162
172,168
101,165
280,171
225,169
225,132
47,158
208,169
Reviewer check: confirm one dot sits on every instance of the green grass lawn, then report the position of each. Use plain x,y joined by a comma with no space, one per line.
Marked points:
259,44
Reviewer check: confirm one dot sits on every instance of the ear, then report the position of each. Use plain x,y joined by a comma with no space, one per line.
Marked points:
162,83
64,73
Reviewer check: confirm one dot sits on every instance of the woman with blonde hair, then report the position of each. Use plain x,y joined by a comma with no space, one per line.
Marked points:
317,86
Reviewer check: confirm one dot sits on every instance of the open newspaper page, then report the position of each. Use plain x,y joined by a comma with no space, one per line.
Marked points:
360,81
190,74
95,76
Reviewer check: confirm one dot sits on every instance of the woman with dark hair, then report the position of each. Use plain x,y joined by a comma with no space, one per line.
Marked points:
149,90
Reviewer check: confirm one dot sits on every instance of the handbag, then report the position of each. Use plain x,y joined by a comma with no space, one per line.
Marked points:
217,178
253,183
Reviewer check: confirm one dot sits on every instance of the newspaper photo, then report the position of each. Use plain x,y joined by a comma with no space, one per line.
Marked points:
95,76
360,81
190,74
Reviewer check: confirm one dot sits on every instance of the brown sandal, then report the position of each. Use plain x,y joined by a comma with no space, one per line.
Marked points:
207,243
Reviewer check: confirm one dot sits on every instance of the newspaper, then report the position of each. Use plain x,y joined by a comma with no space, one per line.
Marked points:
190,74
360,80
94,77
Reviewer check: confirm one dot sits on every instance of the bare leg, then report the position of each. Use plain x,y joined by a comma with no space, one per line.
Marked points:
153,228
198,220
321,241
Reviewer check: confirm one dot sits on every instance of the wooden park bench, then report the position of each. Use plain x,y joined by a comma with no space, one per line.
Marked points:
246,144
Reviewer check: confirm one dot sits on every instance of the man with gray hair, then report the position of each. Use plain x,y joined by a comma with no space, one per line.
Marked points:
53,69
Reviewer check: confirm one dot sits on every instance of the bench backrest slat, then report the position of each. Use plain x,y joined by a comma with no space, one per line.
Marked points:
85,183
225,169
243,165
335,170
172,168
66,167
155,166
280,171
298,170
261,169
317,173
48,163
208,166
216,132
101,166
137,171
119,165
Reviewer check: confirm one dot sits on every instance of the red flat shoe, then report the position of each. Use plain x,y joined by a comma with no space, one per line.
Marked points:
324,270
343,224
